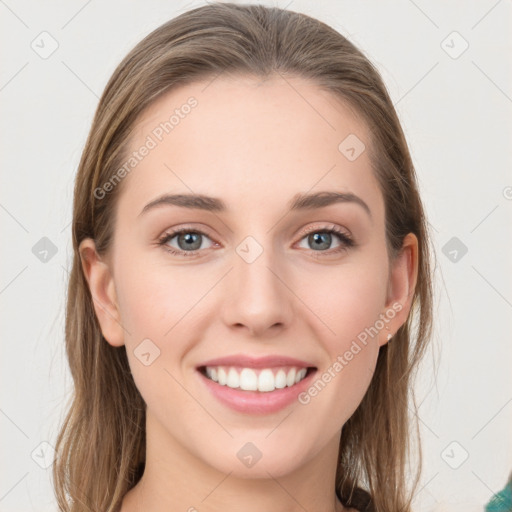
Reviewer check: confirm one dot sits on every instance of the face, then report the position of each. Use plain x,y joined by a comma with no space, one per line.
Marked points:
258,272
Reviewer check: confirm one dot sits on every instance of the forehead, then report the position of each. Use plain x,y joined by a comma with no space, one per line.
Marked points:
252,142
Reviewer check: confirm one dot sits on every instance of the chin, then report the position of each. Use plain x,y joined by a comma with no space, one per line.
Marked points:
257,460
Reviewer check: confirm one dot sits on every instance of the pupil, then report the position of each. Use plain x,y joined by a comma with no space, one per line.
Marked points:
189,239
317,237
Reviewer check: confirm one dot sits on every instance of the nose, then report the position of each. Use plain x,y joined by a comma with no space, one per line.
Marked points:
258,298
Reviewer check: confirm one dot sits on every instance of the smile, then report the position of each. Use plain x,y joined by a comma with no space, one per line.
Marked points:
251,379
269,390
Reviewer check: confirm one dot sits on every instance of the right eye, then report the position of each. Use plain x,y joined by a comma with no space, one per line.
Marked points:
187,238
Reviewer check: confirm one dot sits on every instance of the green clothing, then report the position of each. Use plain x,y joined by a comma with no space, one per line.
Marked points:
502,501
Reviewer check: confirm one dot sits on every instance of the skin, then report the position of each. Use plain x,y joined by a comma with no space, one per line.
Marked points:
254,144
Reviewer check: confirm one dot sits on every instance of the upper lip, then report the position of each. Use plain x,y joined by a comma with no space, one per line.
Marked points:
256,362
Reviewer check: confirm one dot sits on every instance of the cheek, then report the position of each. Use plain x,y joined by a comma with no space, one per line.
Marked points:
353,379
339,387
154,299
348,301
155,304
349,304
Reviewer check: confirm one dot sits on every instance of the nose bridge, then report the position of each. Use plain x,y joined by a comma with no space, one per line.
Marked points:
258,297
256,266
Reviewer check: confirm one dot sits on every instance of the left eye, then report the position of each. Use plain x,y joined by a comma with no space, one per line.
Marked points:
321,238
189,241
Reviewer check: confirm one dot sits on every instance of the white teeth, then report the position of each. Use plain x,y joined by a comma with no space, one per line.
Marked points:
300,375
266,381
233,379
280,380
249,380
222,376
290,379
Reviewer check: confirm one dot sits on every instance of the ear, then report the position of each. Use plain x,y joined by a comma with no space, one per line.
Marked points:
101,286
402,283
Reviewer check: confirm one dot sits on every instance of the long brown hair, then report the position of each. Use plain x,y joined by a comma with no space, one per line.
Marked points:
101,445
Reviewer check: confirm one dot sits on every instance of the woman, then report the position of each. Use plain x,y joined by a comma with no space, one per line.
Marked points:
250,251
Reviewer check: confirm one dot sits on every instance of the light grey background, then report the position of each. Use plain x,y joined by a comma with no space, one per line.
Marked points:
456,112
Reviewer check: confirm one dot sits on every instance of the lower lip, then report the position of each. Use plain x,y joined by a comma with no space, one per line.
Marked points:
256,402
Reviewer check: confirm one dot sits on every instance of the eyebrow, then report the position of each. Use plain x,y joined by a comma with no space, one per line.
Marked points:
216,205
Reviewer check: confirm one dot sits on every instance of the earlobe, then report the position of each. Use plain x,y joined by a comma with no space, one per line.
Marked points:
402,284
102,288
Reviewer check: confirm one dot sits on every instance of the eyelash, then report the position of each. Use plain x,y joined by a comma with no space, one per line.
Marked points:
346,241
